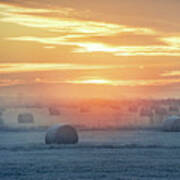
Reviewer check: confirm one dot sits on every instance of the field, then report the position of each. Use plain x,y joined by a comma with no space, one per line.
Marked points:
106,155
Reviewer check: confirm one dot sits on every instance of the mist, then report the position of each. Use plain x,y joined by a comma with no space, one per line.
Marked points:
94,113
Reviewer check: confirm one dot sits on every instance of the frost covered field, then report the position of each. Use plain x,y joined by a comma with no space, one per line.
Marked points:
107,155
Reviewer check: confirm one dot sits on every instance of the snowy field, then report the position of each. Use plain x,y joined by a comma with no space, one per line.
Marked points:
106,155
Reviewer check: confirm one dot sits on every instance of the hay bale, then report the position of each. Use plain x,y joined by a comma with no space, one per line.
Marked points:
54,111
172,124
25,118
61,134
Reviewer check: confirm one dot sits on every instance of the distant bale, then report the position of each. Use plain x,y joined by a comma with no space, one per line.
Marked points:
1,118
172,124
84,109
146,112
25,118
173,109
54,111
61,134
161,111
1,121
133,109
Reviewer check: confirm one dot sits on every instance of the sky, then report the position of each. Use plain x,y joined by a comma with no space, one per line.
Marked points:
81,48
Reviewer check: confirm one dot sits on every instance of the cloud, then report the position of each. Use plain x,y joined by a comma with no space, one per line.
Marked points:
70,30
49,47
10,82
89,47
62,23
10,75
32,67
123,83
131,83
171,74
172,40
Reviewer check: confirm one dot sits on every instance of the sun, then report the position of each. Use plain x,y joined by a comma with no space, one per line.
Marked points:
95,81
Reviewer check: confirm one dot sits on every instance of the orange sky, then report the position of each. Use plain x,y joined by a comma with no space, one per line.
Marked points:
127,47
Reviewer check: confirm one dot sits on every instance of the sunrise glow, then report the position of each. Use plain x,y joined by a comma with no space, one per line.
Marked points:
94,81
70,45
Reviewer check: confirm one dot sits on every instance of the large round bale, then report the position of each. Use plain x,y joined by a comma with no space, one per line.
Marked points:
61,134
25,118
172,124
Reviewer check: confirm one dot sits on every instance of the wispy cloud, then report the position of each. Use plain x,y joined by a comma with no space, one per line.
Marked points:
10,82
131,83
171,74
124,83
30,67
84,47
72,29
172,40
8,69
18,15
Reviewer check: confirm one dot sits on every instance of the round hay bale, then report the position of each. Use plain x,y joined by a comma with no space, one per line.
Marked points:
54,111
61,134
172,124
25,118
